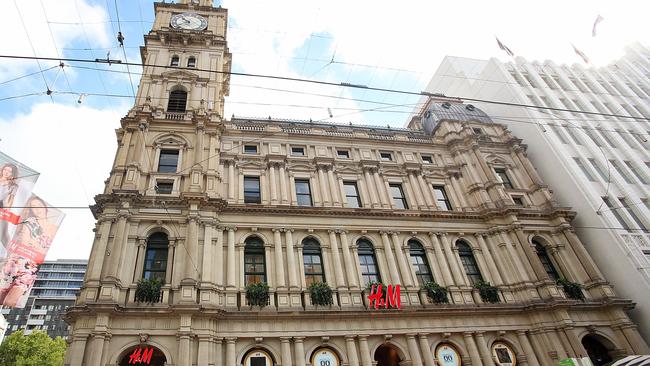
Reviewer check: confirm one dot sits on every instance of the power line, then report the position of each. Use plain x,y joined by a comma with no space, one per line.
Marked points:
22,21
28,75
126,61
343,85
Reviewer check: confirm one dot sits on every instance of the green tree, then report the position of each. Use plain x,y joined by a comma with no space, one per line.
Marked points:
36,349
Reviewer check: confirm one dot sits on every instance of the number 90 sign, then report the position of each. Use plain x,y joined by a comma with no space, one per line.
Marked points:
324,357
447,355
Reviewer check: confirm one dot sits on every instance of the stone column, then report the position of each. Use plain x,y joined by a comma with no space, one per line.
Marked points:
416,360
366,359
334,191
112,269
184,349
299,351
279,263
203,354
531,256
426,350
76,350
520,271
218,352
230,277
96,263
416,190
292,189
390,259
458,191
286,351
217,258
528,349
401,260
323,185
350,267
435,268
501,261
483,349
440,260
96,349
482,265
353,360
192,247
206,268
283,185
231,357
140,259
471,348
338,268
384,197
558,345
291,259
369,184
496,277
274,184
585,258
231,180
240,186
452,260
171,250
424,187
634,338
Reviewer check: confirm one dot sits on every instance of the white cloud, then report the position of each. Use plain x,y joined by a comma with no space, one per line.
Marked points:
72,148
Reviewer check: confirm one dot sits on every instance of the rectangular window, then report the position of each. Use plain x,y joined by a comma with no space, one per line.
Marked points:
635,170
614,211
427,159
164,187
477,131
303,192
592,136
442,200
503,176
255,268
252,190
352,194
584,169
621,171
559,134
386,156
399,200
343,154
250,149
298,151
626,137
518,201
608,139
600,171
640,139
572,133
168,161
313,268
630,211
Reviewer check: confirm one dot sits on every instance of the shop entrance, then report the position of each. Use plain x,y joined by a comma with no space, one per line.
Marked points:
387,355
598,349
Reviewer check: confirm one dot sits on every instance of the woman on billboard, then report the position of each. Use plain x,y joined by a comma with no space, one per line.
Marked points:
8,189
26,251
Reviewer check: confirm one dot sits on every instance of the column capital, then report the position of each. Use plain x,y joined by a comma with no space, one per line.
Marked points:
231,340
442,234
285,339
289,230
277,230
467,334
231,228
349,338
298,339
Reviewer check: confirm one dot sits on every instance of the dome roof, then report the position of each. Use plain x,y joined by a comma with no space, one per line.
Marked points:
438,112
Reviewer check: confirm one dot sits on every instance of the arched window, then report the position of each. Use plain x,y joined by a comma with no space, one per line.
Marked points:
419,260
254,261
368,262
174,61
177,101
155,257
546,261
312,261
191,62
469,263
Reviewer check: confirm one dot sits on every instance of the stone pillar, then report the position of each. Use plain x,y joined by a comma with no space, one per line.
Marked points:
384,197
416,190
514,258
634,338
192,247
350,267
440,260
299,351
486,355
139,262
426,350
218,352
338,268
334,191
206,268
279,263
482,265
458,191
96,262
323,186
274,184
231,356
286,351
292,189
240,186
426,191
390,259
112,268
528,349
366,358
184,349
369,183
452,260
231,180
283,185
230,277
203,354
291,260
471,348
501,260
76,350
96,349
581,252
416,360
533,260
401,260
496,277
217,260
353,360
558,345
171,250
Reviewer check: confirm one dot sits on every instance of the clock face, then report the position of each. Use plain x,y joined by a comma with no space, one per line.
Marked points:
189,21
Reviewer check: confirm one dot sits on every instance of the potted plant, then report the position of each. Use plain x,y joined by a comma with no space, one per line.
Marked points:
487,292
436,293
572,290
320,294
148,291
257,294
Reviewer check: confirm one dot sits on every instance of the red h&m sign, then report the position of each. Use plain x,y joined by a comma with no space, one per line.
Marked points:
141,356
377,299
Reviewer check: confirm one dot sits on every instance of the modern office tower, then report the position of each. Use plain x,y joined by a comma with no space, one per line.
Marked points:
256,242
56,288
598,162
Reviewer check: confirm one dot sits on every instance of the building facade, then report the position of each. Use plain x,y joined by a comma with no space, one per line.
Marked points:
210,207
599,165
56,288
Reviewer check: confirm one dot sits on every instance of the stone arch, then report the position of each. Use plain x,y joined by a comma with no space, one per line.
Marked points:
541,238
392,343
451,341
591,339
507,340
354,239
424,241
118,355
148,230
274,353
300,238
339,352
179,87
166,138
469,241
246,235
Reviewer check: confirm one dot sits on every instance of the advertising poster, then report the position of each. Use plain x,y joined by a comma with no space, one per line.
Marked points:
16,183
27,249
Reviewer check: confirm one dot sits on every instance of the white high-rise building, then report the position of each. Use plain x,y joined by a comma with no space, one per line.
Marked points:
600,165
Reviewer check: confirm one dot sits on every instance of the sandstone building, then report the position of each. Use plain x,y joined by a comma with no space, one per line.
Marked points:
209,205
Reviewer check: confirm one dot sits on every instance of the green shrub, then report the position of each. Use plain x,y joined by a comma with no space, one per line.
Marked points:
321,294
488,293
257,294
436,293
148,291
572,290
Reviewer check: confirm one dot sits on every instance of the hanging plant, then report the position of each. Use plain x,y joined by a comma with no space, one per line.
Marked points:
320,293
257,294
148,291
488,293
377,284
436,293
572,290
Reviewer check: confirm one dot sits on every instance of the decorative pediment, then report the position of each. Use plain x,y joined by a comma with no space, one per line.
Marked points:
251,164
347,169
171,139
301,166
496,160
393,171
179,75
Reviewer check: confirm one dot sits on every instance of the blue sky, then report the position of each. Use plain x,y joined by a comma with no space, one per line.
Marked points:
381,43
